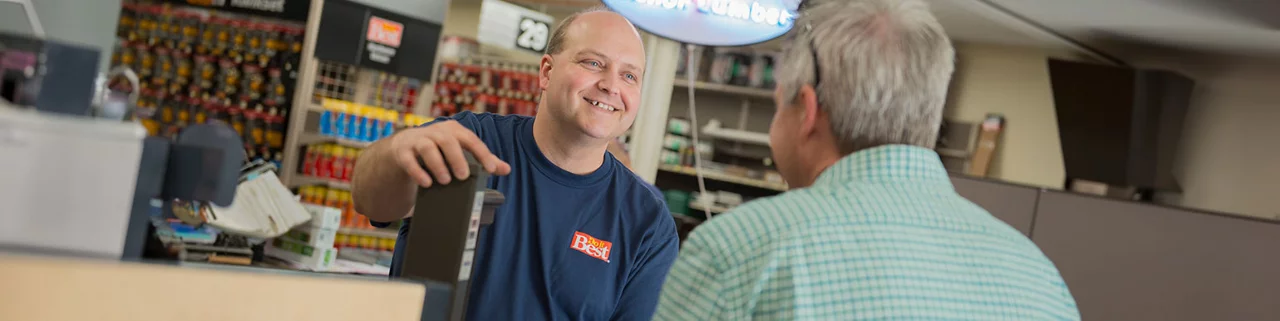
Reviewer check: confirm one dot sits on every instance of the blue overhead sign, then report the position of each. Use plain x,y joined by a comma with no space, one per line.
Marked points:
710,22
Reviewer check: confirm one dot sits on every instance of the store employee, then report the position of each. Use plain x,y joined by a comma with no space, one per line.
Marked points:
580,237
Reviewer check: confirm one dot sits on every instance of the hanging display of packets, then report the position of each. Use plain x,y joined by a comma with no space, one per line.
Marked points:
494,87
200,64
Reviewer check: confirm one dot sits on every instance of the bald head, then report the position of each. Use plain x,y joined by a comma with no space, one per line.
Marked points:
594,17
590,77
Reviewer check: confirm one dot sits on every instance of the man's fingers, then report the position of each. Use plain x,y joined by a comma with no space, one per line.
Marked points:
453,154
502,169
409,162
433,161
491,162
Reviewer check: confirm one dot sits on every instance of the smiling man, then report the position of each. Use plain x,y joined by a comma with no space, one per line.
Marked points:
580,237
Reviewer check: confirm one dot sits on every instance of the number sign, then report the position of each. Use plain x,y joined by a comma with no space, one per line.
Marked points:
533,35
513,27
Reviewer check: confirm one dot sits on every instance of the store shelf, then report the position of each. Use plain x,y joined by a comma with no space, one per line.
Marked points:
947,152
724,177
315,107
715,209
303,180
761,93
374,232
714,129
314,138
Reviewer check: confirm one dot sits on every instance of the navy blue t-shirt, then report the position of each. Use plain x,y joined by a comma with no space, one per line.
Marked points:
564,246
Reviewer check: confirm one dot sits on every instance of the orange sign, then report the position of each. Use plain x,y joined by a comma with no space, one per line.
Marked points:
385,31
591,246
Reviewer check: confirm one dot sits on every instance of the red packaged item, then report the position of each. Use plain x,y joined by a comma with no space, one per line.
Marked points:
324,161
351,166
309,161
339,164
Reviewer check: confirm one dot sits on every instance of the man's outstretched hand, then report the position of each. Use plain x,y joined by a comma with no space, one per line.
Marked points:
440,147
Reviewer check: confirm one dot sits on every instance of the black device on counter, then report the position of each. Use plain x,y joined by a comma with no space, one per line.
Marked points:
51,75
441,244
203,164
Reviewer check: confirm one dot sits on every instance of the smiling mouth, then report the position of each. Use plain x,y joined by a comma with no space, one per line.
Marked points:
601,105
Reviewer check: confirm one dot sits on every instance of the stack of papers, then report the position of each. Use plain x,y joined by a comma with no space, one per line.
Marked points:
263,208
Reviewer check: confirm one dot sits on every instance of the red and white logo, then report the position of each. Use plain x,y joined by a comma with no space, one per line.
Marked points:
385,31
591,246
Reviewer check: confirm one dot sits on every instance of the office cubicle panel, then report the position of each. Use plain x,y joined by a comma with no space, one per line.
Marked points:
1132,261
1013,204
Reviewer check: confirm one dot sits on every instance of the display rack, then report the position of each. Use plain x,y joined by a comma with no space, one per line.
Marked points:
733,137
485,84
726,177
750,92
205,63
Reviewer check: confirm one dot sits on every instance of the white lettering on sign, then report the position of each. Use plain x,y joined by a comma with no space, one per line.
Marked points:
379,53
513,27
738,9
533,34
264,5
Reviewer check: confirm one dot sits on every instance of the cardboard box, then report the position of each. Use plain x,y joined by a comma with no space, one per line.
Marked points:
314,237
303,255
323,217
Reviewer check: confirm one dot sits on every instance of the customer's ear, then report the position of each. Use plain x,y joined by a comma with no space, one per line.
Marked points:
807,102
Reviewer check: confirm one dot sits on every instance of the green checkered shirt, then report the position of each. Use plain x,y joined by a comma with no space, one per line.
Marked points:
881,235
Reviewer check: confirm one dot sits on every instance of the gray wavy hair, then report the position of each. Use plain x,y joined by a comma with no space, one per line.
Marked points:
884,65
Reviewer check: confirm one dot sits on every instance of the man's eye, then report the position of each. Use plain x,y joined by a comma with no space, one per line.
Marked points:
593,63
630,76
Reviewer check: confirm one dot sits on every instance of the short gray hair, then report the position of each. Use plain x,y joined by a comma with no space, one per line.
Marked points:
885,68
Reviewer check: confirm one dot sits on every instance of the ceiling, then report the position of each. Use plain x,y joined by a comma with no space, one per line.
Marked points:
965,20
1131,29
1106,30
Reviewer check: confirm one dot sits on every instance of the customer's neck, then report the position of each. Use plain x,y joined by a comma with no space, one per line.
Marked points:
818,160
819,165
568,148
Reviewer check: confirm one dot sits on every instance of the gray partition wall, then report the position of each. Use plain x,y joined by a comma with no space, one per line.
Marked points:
1013,204
1132,261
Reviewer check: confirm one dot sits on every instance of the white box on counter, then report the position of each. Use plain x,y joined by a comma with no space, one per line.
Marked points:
323,217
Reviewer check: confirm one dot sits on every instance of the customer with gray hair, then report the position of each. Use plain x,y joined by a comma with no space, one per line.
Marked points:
873,228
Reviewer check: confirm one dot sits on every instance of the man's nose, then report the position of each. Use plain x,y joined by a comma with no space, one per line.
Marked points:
608,85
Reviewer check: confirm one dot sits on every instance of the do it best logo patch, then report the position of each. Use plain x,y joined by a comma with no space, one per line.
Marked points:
591,246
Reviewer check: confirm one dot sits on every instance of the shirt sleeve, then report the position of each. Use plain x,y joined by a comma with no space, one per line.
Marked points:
694,288
640,295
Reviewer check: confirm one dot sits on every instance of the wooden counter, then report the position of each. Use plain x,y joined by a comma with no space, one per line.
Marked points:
39,288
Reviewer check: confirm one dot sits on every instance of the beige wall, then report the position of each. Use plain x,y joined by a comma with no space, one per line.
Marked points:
1013,82
463,18
1229,158
1230,153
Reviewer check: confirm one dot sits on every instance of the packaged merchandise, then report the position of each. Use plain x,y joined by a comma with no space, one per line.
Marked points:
200,64
301,254
323,217
314,237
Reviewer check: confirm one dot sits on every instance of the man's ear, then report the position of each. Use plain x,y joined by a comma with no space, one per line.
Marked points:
807,100
544,72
